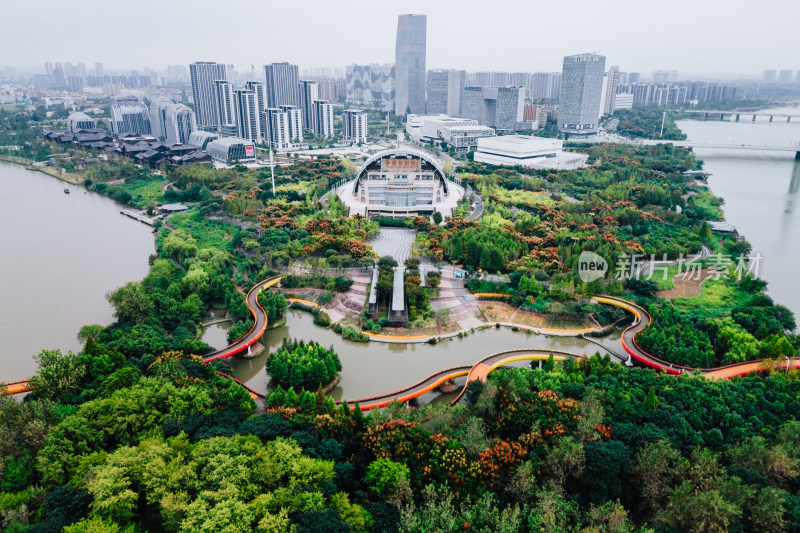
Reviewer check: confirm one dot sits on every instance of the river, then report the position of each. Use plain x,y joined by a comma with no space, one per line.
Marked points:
761,192
60,254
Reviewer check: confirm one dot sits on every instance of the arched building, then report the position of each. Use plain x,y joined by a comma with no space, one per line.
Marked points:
400,183
80,121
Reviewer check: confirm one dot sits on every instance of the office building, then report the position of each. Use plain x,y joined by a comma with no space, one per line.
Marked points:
770,76
282,82
461,134
129,115
309,93
248,118
444,92
203,75
226,109
401,182
501,108
285,128
355,125
230,150
80,121
612,81
528,151
322,118
179,124
409,91
371,85
580,100
158,116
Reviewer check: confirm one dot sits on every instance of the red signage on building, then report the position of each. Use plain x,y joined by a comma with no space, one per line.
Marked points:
248,150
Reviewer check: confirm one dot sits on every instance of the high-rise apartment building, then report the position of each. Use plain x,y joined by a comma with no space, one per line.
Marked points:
323,118
248,121
179,124
282,83
309,93
545,85
98,70
354,125
581,95
785,76
770,75
203,75
633,77
285,127
409,94
260,90
612,81
502,108
665,76
444,92
226,110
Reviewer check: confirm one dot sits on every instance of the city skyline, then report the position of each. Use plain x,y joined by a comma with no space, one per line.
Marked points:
499,39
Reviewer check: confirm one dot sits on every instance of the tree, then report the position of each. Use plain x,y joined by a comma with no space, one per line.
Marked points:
131,304
437,218
59,374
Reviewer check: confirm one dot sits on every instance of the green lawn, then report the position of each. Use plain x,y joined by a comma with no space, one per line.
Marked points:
209,234
717,298
145,191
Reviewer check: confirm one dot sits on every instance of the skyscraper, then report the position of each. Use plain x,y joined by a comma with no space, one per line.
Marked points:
611,90
248,123
282,85
309,92
581,95
260,91
410,64
444,92
180,124
323,118
203,76
226,110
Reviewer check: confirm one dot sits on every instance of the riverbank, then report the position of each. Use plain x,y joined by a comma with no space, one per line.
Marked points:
69,177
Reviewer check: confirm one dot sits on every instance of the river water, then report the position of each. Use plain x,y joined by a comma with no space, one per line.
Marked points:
59,255
373,368
760,190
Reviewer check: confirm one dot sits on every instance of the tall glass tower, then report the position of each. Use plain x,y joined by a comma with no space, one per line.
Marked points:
581,95
409,95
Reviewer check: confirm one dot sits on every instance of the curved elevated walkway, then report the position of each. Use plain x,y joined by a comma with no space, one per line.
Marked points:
643,320
259,322
483,368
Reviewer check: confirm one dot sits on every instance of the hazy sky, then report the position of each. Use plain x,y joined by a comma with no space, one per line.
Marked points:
716,37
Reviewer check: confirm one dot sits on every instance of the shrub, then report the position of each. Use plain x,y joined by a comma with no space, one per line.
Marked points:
352,334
